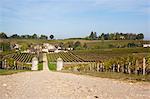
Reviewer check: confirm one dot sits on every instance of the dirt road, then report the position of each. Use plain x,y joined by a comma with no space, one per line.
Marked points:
55,85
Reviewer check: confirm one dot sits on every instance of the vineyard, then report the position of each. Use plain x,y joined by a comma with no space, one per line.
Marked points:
106,54
21,57
66,57
18,61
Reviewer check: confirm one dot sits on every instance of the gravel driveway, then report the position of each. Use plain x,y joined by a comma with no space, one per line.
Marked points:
56,85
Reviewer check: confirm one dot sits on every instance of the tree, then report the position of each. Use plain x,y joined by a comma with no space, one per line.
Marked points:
34,36
77,44
70,44
85,45
3,35
51,37
15,36
5,46
93,35
43,37
140,36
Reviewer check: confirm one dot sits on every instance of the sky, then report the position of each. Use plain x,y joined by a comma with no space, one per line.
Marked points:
74,18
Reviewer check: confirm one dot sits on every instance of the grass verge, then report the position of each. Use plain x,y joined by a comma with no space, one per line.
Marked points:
9,72
118,76
40,66
52,66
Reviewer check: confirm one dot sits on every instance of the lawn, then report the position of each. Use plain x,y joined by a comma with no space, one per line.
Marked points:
52,66
9,72
40,66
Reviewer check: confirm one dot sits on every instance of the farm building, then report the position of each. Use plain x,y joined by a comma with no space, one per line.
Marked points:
16,47
146,45
48,46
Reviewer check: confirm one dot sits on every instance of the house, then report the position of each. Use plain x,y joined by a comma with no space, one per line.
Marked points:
146,45
122,37
26,51
45,50
16,46
48,46
69,49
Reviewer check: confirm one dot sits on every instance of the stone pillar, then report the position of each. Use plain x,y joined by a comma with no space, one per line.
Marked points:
144,66
59,64
34,63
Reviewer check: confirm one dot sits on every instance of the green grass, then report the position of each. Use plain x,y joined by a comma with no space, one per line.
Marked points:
52,66
114,75
9,72
40,66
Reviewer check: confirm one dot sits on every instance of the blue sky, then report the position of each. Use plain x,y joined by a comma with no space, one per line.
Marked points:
74,18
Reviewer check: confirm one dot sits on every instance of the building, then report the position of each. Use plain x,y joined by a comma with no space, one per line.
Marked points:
146,45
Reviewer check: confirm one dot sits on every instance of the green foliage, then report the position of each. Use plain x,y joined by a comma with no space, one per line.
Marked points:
77,44
3,35
52,66
43,37
103,54
66,57
9,72
5,46
10,61
16,36
40,66
85,46
34,36
121,36
93,36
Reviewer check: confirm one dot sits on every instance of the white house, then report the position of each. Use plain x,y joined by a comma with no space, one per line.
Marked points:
69,49
49,46
16,46
45,50
146,45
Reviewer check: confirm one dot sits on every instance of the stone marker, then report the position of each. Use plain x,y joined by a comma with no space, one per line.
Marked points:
34,63
59,64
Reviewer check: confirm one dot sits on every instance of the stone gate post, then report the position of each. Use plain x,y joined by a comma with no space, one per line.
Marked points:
34,63
59,64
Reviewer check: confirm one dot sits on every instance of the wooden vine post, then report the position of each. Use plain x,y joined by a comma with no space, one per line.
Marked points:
129,66
136,67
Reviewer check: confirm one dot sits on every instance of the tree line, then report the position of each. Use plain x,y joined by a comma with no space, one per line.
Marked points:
115,36
34,36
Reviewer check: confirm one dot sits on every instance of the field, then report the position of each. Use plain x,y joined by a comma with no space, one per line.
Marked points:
66,57
103,54
97,54
21,57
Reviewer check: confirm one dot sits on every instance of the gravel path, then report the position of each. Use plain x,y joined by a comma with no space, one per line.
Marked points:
55,85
